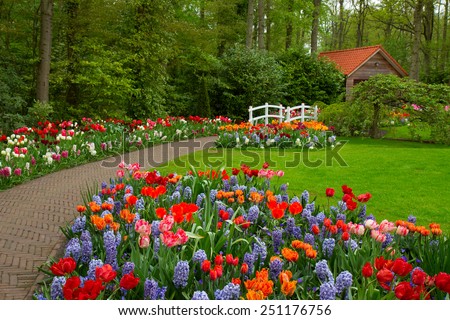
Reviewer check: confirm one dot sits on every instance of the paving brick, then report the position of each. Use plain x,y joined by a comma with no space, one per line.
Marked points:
32,213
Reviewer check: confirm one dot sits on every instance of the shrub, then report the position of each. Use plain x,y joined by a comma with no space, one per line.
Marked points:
247,78
347,119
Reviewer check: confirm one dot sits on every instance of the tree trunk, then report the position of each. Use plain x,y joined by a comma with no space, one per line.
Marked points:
415,59
261,24
361,23
45,51
315,26
268,24
289,26
341,25
445,47
250,18
72,60
428,22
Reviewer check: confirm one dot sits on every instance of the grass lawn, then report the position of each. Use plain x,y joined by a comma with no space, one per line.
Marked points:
403,132
404,178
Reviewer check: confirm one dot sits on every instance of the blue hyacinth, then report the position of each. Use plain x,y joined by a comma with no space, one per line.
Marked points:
230,292
277,240
86,247
343,281
181,274
327,291
109,242
323,271
79,224
73,249
199,256
305,196
128,267
93,265
253,213
260,251
56,288
152,291
187,193
275,267
328,247
200,295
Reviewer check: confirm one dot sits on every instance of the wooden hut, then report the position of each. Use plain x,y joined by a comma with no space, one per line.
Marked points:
360,64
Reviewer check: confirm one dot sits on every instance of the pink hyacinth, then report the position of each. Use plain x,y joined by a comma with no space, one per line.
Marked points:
18,172
65,154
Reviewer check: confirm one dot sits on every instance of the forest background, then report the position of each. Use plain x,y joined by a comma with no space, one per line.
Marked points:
145,58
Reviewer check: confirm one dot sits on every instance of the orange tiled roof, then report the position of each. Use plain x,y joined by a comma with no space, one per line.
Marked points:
350,60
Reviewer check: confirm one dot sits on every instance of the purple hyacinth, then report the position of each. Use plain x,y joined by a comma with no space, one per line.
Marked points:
109,242
283,187
362,212
187,193
73,249
295,199
309,238
156,245
327,291
341,216
343,281
290,224
140,204
388,241
297,233
56,288
233,180
230,292
97,200
260,251
320,217
277,240
128,267
200,199
412,219
342,206
276,266
226,185
155,228
86,247
352,244
323,271
175,197
79,224
212,195
199,256
104,185
328,247
152,291
117,207
200,295
181,274
305,196
285,198
253,213
249,259
93,265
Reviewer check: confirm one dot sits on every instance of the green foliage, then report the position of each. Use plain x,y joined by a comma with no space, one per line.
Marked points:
247,78
309,79
385,93
347,119
40,111
12,99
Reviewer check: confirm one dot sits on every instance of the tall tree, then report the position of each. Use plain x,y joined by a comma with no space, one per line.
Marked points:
445,46
428,26
415,54
261,18
315,25
250,18
45,50
289,23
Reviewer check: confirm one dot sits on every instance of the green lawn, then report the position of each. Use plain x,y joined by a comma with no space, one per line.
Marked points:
404,133
403,177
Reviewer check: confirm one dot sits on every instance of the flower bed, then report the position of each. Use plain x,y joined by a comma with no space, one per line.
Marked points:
233,235
49,146
304,135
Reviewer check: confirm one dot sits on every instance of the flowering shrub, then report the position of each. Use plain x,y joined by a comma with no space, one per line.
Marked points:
229,235
311,134
33,151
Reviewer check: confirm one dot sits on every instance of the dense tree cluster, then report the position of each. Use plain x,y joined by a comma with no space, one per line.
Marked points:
136,58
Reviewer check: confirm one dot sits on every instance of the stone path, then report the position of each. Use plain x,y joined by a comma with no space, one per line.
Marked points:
31,214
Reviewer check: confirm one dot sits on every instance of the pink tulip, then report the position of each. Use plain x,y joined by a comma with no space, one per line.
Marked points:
143,227
402,231
166,224
144,241
378,236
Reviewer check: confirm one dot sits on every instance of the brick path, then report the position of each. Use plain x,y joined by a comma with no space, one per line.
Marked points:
32,213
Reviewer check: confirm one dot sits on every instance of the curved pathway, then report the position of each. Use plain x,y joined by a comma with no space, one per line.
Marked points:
32,213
